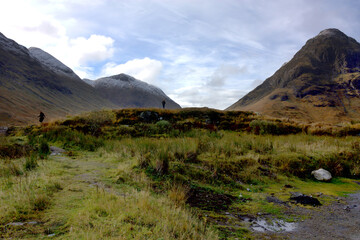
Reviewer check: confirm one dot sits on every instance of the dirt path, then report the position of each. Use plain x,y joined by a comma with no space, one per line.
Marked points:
336,221
340,220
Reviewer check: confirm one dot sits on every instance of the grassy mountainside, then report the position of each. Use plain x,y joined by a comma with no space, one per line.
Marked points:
28,87
161,174
320,83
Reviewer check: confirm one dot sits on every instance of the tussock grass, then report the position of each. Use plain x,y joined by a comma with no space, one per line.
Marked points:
139,215
23,196
142,180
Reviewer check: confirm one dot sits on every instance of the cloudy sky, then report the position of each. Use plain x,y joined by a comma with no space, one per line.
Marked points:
200,52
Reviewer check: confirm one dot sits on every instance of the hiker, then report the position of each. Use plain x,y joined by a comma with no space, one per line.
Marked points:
41,117
163,103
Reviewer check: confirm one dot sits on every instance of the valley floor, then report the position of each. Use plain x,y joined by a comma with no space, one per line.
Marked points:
90,201
89,204
166,184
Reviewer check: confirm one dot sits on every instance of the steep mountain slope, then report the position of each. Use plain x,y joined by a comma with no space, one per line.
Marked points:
51,62
320,83
128,92
32,81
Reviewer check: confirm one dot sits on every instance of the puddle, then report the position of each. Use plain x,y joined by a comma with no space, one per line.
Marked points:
274,225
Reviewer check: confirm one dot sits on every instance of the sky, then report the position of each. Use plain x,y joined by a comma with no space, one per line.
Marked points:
199,52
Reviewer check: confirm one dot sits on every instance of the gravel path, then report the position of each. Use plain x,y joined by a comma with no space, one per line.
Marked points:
338,221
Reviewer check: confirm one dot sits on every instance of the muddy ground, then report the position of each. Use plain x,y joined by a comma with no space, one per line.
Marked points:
340,220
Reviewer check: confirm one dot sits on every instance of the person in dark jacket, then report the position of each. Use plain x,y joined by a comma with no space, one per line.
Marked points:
41,117
163,103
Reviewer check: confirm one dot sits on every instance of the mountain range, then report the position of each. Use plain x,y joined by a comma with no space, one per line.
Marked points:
320,83
32,80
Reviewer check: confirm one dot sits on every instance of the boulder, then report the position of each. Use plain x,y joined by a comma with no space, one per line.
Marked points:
322,175
149,116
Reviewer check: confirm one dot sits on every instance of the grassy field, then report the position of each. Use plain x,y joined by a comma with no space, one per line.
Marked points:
190,174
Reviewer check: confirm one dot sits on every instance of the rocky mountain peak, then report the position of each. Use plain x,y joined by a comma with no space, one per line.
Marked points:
324,75
51,62
12,46
123,77
331,32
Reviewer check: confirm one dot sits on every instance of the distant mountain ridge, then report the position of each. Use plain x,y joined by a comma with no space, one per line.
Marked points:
32,80
126,91
320,83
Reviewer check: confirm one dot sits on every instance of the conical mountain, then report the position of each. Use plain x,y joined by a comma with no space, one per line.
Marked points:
127,92
320,83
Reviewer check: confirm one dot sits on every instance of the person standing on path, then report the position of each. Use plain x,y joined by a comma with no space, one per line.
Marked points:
163,103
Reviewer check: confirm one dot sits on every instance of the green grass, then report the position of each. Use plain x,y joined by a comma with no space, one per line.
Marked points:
135,182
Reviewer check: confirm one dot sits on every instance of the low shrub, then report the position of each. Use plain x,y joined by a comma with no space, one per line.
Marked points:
179,194
162,162
10,169
30,163
262,127
65,135
44,149
144,160
40,202
163,126
12,151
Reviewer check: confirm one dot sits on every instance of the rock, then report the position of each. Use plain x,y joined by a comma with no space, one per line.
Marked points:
149,116
275,200
32,223
56,151
322,175
3,130
304,199
16,224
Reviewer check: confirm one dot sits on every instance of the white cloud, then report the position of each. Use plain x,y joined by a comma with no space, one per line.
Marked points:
79,53
204,96
145,69
200,46
36,26
222,73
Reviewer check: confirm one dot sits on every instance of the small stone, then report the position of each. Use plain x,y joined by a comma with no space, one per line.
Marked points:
248,189
16,224
32,223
